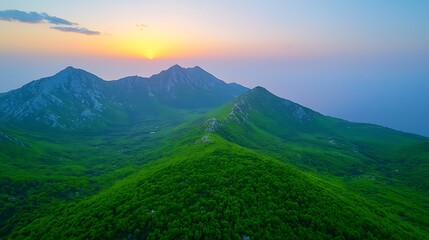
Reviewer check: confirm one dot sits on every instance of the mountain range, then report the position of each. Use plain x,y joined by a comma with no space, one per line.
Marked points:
73,98
184,155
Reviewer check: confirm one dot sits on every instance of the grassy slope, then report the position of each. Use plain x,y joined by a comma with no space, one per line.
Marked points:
380,164
219,190
99,185
59,166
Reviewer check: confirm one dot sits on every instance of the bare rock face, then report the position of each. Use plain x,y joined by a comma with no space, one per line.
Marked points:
298,112
76,99
64,100
211,125
206,139
239,111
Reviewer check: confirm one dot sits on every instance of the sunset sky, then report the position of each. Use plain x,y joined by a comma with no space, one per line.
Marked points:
359,60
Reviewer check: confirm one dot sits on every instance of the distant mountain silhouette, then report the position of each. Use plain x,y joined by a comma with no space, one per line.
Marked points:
74,98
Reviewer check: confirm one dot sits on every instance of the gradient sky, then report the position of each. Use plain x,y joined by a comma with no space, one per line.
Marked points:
364,61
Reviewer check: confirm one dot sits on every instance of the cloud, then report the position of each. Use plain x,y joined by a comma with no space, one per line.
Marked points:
32,17
60,24
57,20
76,30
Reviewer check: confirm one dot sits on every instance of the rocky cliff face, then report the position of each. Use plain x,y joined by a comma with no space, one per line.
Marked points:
71,93
74,98
188,88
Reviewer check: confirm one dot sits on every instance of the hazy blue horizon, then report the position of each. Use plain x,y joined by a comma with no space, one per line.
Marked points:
388,93
365,61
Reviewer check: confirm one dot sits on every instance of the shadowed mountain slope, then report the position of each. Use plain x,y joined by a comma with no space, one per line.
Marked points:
74,98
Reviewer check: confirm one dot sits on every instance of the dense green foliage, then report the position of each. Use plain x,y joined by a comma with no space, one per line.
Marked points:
271,170
209,191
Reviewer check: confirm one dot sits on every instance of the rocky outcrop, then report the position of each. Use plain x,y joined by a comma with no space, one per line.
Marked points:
211,125
74,98
64,100
204,139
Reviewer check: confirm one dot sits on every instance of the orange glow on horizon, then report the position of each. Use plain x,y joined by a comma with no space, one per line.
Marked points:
150,44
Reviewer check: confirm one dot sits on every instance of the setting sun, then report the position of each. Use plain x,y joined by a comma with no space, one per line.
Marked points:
214,119
150,54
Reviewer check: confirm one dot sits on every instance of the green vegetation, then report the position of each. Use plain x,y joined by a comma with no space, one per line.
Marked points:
268,169
221,191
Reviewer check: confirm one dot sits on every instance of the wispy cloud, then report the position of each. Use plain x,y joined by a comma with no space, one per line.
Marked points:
76,30
57,20
34,17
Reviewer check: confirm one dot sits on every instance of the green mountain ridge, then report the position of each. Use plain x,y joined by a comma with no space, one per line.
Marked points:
254,167
286,127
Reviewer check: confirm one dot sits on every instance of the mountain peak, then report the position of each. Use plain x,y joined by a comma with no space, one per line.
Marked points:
259,89
198,68
73,97
70,78
175,67
261,100
69,69
258,92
